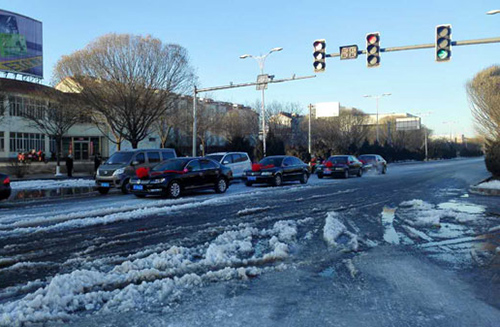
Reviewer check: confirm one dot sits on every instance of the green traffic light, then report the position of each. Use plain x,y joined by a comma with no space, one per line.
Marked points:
442,54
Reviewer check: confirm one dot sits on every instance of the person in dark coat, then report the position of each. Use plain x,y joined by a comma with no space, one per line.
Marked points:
97,161
69,165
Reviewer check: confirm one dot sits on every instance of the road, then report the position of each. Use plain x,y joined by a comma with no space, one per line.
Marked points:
410,248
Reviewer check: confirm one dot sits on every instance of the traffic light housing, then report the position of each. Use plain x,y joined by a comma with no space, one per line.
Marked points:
443,43
319,55
373,49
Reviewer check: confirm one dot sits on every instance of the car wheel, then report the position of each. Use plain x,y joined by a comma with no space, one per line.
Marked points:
125,187
247,183
221,185
360,172
140,195
320,176
278,180
346,173
174,190
103,190
304,178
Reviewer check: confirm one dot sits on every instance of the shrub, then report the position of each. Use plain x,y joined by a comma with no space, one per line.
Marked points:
492,158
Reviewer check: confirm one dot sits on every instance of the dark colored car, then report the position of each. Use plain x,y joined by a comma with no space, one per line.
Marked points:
5,189
374,162
343,166
275,170
172,177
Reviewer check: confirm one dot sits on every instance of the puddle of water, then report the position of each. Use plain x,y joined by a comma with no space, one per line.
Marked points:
32,194
390,234
462,207
328,272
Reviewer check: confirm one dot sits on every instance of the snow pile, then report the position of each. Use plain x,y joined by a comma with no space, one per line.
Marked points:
157,279
334,229
491,185
250,211
52,183
390,234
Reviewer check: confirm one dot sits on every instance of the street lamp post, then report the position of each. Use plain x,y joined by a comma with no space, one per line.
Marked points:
261,61
377,97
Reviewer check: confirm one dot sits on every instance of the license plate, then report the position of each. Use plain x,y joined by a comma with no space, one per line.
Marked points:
137,187
252,178
104,184
339,168
327,172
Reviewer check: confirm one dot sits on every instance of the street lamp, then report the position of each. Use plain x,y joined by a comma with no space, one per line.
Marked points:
493,12
377,97
261,61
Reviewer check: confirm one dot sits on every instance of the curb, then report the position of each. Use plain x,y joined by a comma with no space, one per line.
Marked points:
484,191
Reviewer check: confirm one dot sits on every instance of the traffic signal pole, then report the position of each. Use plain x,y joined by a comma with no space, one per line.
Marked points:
233,86
427,46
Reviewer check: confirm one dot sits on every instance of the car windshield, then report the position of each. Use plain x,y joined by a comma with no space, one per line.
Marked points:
275,161
367,158
120,158
338,160
175,164
216,157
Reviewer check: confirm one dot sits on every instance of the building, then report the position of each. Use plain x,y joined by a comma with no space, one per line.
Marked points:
18,135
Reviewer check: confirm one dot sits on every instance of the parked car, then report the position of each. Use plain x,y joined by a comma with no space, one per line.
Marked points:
5,189
121,166
237,161
342,165
275,170
172,177
374,162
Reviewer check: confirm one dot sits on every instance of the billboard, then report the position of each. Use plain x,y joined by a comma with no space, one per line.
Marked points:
408,124
20,44
327,109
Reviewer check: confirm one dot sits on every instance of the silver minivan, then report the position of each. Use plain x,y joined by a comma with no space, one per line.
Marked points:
237,161
120,167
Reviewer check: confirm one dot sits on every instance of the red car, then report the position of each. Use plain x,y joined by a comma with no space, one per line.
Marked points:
374,162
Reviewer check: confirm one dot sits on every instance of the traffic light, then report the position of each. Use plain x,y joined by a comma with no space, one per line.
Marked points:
373,49
443,43
319,55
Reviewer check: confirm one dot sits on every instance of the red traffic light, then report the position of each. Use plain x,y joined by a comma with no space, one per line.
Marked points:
372,38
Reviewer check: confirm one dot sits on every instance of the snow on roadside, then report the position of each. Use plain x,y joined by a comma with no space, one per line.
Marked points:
240,252
334,229
51,183
390,234
491,185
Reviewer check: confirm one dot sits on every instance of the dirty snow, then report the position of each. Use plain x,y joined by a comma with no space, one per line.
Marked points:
334,229
492,185
52,183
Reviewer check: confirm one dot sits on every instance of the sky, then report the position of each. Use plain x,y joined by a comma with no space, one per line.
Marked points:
216,33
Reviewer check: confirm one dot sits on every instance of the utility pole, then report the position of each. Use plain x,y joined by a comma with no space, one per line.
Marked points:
377,97
309,138
195,101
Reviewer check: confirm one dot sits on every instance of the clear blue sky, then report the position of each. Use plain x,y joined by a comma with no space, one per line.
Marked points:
216,33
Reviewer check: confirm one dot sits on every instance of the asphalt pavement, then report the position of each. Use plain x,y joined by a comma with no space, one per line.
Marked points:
410,248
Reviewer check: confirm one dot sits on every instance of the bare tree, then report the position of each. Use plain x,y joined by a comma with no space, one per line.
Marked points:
171,117
484,98
240,123
56,118
128,80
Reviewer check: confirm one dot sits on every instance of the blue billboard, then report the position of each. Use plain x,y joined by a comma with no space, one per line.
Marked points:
21,44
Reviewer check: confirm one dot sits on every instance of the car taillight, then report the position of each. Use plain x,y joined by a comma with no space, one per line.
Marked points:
6,181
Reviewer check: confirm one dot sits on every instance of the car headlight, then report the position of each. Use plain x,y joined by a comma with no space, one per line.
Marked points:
267,173
119,171
157,181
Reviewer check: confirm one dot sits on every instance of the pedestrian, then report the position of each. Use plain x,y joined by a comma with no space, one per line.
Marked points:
97,161
69,165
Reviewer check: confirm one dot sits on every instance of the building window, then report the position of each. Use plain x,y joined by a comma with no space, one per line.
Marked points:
24,142
2,142
20,106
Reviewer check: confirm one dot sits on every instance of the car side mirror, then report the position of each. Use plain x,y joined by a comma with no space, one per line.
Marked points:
135,163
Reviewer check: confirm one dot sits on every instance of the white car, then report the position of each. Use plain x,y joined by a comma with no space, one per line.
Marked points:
237,161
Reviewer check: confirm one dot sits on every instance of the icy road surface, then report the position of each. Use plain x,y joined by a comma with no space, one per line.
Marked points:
411,248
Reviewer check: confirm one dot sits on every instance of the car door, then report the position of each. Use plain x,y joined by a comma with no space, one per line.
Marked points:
209,170
193,178
228,161
288,169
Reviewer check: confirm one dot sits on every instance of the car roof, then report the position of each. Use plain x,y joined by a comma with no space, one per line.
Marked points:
138,150
223,153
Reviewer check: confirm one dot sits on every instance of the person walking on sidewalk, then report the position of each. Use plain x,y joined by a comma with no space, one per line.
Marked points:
69,165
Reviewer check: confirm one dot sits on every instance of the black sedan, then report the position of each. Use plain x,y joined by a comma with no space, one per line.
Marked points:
275,170
5,189
340,166
171,177
374,162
